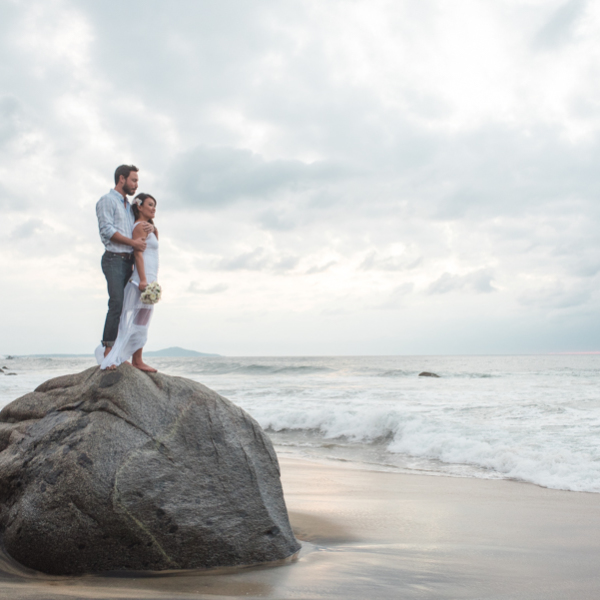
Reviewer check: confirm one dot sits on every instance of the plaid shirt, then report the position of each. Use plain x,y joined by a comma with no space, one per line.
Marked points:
114,215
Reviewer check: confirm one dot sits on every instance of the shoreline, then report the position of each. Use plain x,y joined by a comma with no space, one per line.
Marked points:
378,534
357,465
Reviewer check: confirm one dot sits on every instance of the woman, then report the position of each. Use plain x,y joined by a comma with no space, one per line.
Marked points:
135,317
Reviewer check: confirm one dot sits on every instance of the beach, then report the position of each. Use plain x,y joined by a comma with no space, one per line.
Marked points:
482,483
373,534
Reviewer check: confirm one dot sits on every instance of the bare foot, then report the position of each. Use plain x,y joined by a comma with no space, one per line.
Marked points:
142,366
111,368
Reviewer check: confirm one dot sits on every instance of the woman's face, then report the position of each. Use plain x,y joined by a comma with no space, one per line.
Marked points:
148,208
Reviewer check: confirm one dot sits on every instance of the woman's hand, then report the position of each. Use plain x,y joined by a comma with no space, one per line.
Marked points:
143,285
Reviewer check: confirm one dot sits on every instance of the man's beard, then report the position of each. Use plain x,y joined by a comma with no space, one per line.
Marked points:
128,190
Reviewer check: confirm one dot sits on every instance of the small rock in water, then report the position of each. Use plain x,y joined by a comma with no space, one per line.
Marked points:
10,373
428,374
123,470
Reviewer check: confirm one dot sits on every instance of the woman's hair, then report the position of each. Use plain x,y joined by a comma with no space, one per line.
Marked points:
136,207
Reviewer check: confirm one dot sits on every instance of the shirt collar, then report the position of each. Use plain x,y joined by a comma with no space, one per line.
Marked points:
118,196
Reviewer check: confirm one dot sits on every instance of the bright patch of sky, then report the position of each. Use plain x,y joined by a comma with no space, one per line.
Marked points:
361,177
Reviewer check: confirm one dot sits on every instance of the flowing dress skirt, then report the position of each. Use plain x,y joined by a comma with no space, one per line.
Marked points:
133,329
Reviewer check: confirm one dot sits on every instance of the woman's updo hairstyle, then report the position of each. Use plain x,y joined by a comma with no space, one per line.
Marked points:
138,201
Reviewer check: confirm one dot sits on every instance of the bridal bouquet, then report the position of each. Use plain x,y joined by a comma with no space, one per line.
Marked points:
152,293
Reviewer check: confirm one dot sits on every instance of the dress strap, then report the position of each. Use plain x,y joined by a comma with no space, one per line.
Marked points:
138,223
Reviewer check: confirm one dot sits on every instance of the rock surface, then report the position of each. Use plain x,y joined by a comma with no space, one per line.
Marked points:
122,470
428,374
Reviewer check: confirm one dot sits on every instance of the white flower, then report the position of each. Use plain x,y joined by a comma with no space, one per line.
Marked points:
152,293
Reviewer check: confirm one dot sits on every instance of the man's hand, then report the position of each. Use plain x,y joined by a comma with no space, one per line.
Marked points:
143,285
147,227
139,244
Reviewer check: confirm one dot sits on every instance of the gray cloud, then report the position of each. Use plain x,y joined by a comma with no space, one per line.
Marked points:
404,262
321,268
258,259
214,177
503,170
478,281
203,52
397,298
8,199
286,263
586,267
556,295
196,288
558,29
27,229
280,220
9,122
254,260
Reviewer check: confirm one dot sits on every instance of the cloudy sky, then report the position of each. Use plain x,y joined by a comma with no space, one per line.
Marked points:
332,176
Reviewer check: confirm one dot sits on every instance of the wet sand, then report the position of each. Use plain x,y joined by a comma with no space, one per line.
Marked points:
369,534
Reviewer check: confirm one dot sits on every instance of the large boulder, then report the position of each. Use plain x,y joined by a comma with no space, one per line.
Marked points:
123,470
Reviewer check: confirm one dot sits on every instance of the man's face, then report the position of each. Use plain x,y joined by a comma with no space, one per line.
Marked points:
131,183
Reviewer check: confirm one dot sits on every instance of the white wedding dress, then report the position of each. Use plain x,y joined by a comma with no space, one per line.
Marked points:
135,316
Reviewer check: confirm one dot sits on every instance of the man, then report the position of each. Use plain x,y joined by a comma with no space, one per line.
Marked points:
115,221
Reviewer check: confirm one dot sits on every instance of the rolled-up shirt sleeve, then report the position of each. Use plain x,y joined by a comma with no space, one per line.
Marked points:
106,219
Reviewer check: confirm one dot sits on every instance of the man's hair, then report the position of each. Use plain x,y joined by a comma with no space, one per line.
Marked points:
124,170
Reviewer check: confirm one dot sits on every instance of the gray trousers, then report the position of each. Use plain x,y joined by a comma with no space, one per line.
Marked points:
117,269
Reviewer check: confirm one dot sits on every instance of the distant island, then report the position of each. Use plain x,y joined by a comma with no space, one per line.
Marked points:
177,352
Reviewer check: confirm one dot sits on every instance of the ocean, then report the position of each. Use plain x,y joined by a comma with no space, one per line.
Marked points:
528,418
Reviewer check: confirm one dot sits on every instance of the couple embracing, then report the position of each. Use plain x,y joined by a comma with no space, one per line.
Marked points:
130,265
